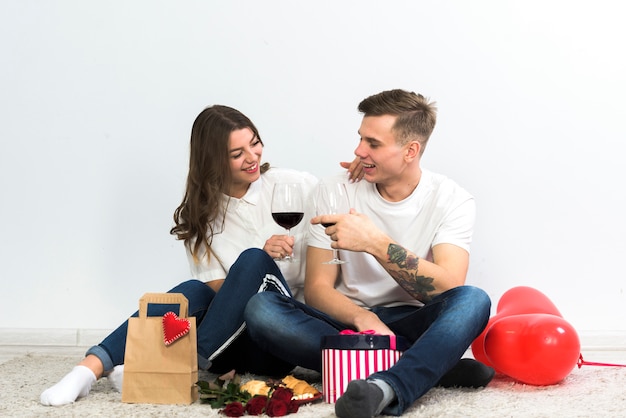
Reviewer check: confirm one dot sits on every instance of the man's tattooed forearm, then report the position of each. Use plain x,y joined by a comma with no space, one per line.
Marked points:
398,256
419,287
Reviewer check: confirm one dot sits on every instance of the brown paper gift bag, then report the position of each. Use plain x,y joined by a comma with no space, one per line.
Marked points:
153,371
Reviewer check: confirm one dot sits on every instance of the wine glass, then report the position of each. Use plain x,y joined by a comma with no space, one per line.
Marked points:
332,198
287,208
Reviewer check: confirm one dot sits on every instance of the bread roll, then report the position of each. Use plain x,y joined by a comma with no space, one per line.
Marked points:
299,387
256,387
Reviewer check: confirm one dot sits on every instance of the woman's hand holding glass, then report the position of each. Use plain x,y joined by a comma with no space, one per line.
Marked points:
278,246
287,210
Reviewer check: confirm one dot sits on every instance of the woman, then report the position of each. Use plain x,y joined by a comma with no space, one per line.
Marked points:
225,212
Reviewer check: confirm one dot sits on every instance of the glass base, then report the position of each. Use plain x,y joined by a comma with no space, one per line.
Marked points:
335,261
287,259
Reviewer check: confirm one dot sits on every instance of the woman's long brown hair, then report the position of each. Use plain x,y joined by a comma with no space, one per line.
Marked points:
209,175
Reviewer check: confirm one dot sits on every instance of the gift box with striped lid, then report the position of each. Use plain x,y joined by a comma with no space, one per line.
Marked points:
350,356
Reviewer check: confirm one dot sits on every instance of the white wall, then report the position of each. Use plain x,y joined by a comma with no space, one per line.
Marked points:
97,100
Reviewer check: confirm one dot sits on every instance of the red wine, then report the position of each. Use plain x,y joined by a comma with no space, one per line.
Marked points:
288,219
327,225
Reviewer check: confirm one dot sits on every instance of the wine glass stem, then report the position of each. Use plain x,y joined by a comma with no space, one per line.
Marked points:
288,257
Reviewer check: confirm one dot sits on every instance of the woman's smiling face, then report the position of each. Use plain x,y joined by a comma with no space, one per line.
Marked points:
245,152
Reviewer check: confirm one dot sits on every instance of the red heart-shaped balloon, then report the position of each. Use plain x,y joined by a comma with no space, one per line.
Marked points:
525,300
515,301
537,349
174,327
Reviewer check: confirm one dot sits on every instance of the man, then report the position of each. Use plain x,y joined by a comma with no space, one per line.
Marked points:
406,246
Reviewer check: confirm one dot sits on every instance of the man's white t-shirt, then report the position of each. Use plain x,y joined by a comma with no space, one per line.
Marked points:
438,211
248,224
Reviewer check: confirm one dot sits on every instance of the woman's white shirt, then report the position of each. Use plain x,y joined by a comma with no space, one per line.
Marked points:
248,223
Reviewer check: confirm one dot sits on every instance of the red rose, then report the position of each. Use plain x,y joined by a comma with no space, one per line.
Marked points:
276,408
293,406
233,409
256,405
282,394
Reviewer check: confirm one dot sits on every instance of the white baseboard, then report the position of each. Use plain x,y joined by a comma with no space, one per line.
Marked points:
52,337
603,340
589,340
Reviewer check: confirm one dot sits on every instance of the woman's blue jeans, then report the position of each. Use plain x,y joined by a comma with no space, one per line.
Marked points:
223,342
440,333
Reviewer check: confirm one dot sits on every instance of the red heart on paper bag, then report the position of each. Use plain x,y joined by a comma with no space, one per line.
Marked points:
174,327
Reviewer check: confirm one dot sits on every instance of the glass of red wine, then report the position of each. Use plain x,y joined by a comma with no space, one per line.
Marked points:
287,208
331,199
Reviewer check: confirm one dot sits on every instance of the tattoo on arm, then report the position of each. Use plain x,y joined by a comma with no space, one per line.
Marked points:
420,287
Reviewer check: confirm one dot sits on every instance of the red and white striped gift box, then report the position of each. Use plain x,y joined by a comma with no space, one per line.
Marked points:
347,357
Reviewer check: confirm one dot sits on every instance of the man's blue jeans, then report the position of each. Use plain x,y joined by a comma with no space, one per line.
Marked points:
440,332
222,337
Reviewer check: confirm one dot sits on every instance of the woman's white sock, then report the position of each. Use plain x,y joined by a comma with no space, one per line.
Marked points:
74,385
116,377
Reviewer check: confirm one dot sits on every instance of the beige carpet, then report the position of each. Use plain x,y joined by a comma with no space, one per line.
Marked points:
591,391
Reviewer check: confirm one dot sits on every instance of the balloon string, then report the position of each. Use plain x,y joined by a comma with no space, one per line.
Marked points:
581,362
